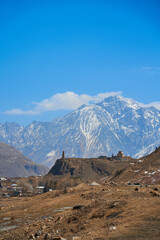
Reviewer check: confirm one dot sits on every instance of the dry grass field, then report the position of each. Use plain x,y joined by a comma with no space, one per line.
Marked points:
103,212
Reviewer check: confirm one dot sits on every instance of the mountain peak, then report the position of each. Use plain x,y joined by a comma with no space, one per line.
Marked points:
113,98
120,102
82,106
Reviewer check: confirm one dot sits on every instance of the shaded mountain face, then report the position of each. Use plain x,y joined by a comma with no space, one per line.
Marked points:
90,131
13,163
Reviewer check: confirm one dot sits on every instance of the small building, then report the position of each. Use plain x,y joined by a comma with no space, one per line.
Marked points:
14,185
3,179
103,157
40,189
120,154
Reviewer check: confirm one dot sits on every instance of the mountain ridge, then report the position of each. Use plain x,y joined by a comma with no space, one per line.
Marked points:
104,128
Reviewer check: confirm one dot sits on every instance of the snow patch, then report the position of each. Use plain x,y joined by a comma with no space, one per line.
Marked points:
51,154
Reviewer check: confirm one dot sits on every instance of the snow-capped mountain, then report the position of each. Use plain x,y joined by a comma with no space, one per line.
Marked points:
92,130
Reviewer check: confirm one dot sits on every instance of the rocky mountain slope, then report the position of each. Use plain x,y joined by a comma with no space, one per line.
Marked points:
92,130
13,163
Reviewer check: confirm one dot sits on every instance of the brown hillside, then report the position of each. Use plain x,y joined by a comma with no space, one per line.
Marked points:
13,163
85,212
143,170
71,171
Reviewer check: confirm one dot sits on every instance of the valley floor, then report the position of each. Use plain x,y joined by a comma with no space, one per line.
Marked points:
103,212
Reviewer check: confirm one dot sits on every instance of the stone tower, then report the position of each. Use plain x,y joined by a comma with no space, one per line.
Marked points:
63,156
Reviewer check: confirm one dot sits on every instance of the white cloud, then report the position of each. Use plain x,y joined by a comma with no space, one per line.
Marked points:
149,70
146,68
21,112
68,101
154,104
62,101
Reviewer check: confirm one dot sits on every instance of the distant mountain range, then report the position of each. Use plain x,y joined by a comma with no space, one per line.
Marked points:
13,163
104,128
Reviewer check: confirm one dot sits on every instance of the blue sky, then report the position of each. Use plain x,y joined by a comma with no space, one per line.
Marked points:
56,53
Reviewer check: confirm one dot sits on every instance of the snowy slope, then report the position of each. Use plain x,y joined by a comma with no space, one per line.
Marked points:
115,124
